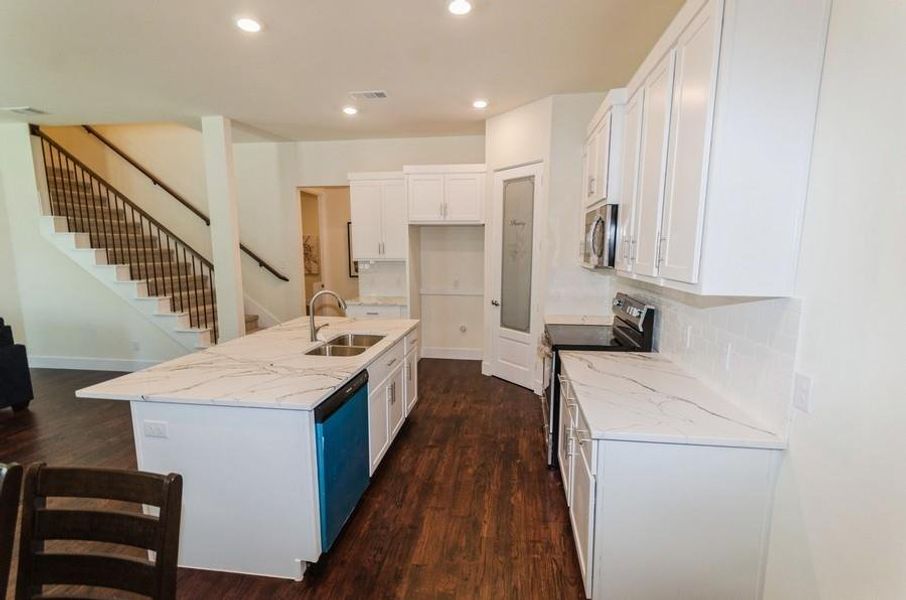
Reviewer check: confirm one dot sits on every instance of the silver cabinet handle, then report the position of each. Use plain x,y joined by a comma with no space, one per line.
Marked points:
495,303
372,313
409,372
391,362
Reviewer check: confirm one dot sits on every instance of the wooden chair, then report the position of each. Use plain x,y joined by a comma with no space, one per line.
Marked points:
37,567
10,486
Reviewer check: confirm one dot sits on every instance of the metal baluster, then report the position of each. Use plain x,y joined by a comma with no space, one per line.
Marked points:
194,292
214,304
89,207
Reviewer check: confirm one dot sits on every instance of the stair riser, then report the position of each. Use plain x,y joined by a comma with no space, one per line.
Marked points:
158,259
128,241
83,215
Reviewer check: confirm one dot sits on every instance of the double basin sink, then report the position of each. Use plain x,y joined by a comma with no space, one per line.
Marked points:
349,344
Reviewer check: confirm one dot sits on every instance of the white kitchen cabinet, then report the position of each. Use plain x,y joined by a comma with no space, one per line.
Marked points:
411,378
729,103
565,439
378,423
597,160
629,178
377,204
658,92
690,132
445,194
396,400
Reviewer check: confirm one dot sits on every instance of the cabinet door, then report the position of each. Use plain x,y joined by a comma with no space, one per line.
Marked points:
394,221
463,197
630,177
365,208
581,513
652,164
396,401
411,383
426,198
378,425
602,158
690,135
591,159
565,444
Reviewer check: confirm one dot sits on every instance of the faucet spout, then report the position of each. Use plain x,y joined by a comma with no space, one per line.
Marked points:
311,311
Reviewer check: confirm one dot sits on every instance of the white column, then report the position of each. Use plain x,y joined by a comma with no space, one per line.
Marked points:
221,184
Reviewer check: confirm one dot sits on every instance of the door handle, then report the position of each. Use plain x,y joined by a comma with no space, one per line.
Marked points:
495,303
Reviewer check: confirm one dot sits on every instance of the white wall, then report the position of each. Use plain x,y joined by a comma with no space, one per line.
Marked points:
327,163
66,313
840,515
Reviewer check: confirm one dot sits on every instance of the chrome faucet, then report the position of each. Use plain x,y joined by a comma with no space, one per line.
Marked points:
311,311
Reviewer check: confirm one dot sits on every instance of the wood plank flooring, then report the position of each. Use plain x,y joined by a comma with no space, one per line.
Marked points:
461,507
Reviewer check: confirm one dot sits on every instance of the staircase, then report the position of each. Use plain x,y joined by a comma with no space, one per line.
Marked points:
131,252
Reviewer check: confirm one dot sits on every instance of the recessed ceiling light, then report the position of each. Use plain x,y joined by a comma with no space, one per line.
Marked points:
480,104
351,110
249,25
459,7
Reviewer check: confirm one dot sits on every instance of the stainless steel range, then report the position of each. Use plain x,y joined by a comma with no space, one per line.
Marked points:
632,331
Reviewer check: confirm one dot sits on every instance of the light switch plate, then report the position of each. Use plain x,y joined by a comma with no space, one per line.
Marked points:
802,392
157,429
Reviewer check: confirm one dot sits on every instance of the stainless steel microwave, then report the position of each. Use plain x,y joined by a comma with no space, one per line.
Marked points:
600,236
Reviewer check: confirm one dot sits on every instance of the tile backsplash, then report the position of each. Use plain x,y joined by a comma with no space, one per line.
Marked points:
743,347
382,278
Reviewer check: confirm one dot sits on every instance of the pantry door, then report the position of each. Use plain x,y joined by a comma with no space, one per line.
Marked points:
515,268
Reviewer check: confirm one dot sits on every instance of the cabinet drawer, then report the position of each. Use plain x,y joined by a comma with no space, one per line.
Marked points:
385,364
374,311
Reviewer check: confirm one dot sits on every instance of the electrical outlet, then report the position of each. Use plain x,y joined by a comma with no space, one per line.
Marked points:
156,429
688,336
802,392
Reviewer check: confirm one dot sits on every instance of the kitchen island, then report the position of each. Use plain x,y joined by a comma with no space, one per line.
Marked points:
237,420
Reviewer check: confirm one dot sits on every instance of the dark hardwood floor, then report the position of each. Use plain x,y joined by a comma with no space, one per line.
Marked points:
461,507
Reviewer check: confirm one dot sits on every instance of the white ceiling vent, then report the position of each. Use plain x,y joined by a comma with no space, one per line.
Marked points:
24,110
369,95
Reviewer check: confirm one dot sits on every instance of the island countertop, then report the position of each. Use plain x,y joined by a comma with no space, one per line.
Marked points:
644,397
268,369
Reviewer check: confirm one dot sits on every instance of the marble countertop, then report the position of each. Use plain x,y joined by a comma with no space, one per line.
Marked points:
644,397
379,300
267,369
577,320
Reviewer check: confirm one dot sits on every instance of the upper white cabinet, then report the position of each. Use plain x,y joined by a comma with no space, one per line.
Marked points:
601,162
379,218
448,194
717,146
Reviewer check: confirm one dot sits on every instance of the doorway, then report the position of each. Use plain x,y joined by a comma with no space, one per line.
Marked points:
325,245
515,269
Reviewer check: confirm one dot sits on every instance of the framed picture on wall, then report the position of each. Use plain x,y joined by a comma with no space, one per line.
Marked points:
353,264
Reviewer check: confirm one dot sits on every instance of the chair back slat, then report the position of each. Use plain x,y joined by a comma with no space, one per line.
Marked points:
108,484
130,529
10,486
41,523
94,570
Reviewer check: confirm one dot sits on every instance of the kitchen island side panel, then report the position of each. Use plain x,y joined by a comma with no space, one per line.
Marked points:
250,495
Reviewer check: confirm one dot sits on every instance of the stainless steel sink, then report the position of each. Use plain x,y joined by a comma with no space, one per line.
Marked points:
356,339
336,350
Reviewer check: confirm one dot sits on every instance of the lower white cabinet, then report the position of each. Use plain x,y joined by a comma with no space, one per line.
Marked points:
392,379
662,521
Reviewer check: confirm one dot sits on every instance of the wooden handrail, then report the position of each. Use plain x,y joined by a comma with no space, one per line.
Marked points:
156,181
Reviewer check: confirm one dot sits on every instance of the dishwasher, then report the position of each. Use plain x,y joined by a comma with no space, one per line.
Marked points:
341,434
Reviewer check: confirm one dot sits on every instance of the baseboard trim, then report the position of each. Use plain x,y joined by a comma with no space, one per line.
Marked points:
451,353
79,363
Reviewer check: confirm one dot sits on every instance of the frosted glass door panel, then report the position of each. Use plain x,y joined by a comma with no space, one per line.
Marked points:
516,269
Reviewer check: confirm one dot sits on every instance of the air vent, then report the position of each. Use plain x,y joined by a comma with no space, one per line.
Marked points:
24,110
369,95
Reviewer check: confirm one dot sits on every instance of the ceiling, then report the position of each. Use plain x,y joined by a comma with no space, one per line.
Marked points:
115,61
